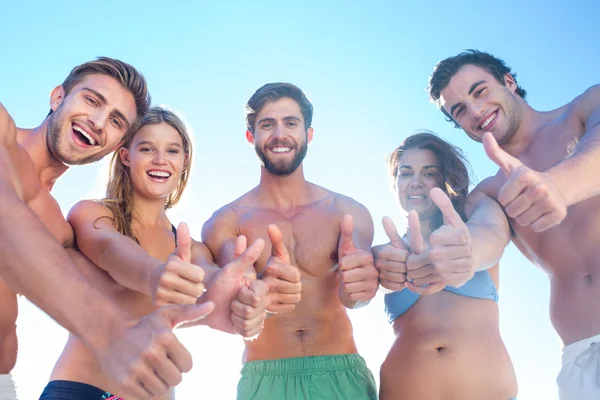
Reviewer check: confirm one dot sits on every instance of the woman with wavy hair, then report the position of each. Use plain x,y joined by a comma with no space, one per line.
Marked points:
448,343
142,261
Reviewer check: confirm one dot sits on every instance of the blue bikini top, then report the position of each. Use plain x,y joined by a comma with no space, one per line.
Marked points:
481,286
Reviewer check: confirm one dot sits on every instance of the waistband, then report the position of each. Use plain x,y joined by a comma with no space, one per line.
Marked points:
572,351
303,365
71,390
8,390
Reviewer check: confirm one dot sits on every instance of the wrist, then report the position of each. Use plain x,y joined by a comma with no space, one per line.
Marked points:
103,327
562,180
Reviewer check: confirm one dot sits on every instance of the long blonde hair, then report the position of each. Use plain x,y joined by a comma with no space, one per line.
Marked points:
119,192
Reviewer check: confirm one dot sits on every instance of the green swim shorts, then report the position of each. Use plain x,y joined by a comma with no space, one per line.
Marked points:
338,377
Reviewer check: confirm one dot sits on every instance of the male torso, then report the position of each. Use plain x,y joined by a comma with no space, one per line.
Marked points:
41,202
319,324
569,253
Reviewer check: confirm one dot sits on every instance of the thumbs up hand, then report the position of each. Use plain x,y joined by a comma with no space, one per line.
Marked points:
390,259
358,275
530,197
451,248
282,277
422,276
240,299
178,281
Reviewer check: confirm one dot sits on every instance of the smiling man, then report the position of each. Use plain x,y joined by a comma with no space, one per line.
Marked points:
549,164
90,113
318,263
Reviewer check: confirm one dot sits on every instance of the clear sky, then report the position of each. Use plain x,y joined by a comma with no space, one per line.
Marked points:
364,64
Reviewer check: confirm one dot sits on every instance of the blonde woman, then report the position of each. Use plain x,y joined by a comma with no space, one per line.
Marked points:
142,261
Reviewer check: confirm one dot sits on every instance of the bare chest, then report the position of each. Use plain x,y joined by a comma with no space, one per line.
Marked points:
550,249
39,199
311,236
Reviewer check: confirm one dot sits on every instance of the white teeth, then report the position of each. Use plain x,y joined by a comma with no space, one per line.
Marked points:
416,197
88,137
159,174
487,121
280,149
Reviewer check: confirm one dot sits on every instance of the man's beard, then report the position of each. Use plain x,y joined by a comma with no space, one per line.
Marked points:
279,168
56,145
514,114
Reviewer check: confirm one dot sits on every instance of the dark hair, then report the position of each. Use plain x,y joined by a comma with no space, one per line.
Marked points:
273,92
125,74
453,167
446,69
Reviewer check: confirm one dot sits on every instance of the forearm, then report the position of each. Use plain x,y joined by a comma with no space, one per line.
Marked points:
487,245
36,265
128,263
578,176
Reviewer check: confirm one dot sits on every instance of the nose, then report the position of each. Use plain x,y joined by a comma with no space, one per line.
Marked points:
159,158
278,131
476,110
98,120
415,181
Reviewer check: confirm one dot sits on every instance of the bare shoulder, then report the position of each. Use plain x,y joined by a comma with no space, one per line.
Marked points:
347,205
360,214
586,105
87,211
8,129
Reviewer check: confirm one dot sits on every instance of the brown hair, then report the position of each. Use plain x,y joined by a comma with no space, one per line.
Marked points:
127,75
446,69
119,192
453,167
273,92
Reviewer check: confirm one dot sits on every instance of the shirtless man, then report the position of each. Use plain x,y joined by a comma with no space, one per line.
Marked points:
90,112
320,242
548,165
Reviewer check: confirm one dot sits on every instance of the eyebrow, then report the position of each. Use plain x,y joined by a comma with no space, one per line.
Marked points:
148,142
425,167
471,89
116,112
269,119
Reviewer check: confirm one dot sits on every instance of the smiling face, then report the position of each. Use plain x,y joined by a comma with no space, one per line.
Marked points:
89,122
479,104
156,160
418,172
280,138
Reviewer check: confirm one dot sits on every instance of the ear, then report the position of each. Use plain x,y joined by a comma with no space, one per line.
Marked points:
309,135
509,82
124,155
250,137
117,146
56,97
186,158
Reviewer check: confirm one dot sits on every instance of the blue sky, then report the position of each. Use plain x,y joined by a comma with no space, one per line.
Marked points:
365,66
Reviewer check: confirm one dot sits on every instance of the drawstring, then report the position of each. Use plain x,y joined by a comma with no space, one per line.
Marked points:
588,356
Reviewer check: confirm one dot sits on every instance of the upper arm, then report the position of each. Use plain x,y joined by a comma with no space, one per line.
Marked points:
94,226
8,141
201,254
8,129
482,210
219,234
587,107
364,229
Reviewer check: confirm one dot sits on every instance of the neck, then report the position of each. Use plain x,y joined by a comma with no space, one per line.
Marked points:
531,122
284,192
425,229
35,143
149,212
